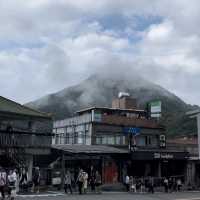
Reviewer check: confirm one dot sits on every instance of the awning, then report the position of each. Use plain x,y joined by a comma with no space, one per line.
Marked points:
89,149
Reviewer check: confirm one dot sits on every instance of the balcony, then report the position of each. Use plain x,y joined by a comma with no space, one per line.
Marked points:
19,139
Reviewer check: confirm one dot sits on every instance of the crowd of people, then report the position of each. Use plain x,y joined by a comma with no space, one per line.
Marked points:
83,181
148,184
13,181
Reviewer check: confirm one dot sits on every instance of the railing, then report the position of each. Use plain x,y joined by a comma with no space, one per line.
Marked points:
17,139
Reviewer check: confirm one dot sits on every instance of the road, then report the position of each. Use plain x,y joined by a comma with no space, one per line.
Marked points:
114,196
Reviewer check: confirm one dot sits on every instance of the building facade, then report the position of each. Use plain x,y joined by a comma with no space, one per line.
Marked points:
25,134
127,128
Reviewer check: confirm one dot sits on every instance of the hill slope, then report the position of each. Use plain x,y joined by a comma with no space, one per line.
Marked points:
100,90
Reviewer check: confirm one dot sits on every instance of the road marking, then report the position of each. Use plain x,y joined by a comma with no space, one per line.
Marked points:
196,198
52,194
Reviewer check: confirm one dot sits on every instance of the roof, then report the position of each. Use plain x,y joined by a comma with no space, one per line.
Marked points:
183,141
93,149
11,107
110,109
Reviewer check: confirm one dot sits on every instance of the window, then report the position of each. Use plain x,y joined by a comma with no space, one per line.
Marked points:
123,140
67,138
104,140
111,140
80,138
117,140
140,141
57,140
98,140
75,138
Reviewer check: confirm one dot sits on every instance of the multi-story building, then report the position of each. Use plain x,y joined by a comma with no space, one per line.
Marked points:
25,135
122,127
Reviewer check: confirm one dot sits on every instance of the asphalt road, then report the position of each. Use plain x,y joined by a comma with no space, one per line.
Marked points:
115,196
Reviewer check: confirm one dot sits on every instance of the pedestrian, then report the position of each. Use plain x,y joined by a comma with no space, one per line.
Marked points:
132,184
92,182
24,180
127,182
170,184
85,182
179,184
80,181
92,179
166,184
174,185
68,182
36,180
2,182
151,185
142,189
98,182
12,178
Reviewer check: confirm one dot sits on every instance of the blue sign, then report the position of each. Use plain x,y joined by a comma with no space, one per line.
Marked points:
132,130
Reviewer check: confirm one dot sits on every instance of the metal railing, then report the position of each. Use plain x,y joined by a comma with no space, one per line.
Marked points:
19,139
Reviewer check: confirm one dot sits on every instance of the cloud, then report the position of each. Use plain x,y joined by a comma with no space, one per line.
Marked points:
46,45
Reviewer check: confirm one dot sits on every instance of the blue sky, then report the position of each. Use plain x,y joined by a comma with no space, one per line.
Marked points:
47,45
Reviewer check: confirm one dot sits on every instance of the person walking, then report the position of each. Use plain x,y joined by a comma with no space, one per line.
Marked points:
179,184
12,178
80,181
36,180
24,180
151,185
127,182
85,182
68,182
2,182
166,184
92,182
98,182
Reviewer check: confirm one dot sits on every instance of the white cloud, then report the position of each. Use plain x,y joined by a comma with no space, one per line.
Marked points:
48,45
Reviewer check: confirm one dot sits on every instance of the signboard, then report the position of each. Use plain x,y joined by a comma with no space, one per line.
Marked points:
132,130
155,108
96,116
159,155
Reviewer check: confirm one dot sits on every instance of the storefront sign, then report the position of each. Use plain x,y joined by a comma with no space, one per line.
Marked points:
153,155
155,109
132,130
163,156
96,116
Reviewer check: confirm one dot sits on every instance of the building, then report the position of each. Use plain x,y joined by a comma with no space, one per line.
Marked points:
25,135
135,143
192,169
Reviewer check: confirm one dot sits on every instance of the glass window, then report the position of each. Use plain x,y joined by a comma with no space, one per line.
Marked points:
80,138
67,138
98,140
111,140
123,140
57,139
117,140
75,138
87,127
104,140
140,141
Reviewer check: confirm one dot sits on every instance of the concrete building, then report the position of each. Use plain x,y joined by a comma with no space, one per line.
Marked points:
25,134
135,143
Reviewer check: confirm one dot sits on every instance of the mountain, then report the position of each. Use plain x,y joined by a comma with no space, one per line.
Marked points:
99,90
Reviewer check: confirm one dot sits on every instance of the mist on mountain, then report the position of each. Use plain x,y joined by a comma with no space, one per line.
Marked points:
100,89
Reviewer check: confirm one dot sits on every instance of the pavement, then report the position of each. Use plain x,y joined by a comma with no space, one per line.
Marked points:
52,195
